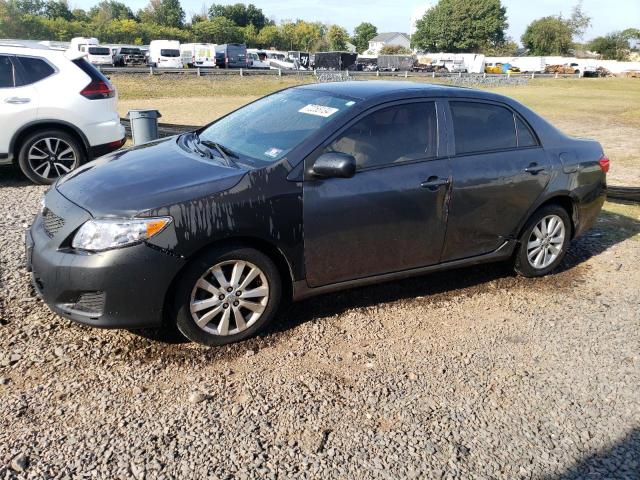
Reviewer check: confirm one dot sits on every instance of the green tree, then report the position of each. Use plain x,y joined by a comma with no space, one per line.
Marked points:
57,9
167,13
461,26
270,37
80,15
249,35
548,36
217,30
362,34
307,34
579,20
108,10
240,14
613,46
337,37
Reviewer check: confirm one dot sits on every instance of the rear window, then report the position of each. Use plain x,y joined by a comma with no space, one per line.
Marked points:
99,51
169,52
130,51
482,127
90,70
7,73
526,138
35,69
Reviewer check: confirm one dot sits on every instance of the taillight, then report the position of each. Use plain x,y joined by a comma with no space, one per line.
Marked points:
98,89
604,163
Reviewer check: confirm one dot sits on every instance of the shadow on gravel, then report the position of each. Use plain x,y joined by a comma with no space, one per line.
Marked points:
620,461
11,176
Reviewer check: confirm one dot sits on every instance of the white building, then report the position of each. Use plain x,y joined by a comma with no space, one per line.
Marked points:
387,39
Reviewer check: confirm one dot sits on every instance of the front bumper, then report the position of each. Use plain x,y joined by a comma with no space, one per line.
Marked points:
121,288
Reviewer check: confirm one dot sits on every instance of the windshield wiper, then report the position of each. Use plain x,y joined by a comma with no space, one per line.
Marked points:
224,152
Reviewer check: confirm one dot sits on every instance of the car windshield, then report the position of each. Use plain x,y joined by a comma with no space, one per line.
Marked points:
266,130
99,51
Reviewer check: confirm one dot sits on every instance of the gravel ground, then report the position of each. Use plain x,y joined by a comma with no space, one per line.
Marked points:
467,374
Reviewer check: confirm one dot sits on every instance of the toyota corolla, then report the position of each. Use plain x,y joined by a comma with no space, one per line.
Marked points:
310,190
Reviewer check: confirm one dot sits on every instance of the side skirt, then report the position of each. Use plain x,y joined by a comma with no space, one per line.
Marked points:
301,290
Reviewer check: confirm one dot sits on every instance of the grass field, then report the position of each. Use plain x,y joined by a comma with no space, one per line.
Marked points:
607,110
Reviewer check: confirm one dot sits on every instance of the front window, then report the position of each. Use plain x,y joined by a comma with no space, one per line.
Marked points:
266,130
169,52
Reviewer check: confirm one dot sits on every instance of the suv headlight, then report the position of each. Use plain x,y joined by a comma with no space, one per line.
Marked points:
108,233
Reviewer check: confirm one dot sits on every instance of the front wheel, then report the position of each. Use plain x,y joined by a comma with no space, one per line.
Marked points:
227,295
544,242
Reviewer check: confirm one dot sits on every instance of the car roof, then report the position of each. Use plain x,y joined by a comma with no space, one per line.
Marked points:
379,89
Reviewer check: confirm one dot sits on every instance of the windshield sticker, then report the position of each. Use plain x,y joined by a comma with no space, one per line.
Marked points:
273,152
349,103
319,110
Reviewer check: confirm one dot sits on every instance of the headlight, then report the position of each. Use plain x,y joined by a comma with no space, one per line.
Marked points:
107,233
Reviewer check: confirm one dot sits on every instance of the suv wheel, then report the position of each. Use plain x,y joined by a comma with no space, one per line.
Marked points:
544,242
46,155
227,295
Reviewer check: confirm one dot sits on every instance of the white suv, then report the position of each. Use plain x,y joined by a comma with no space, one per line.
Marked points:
56,110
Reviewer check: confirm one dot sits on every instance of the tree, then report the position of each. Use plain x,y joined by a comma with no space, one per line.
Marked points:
579,20
306,35
108,10
270,37
217,30
167,13
362,34
337,37
240,14
548,36
461,26
395,50
613,46
57,9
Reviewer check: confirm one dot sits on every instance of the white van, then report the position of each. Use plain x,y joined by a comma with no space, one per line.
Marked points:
257,59
96,54
165,54
198,54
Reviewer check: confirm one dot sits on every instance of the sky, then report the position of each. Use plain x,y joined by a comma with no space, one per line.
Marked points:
395,15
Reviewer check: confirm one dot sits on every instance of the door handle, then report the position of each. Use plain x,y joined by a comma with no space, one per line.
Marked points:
17,100
534,169
433,183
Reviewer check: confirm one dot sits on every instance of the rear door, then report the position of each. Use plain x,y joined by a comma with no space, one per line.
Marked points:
498,168
18,100
390,216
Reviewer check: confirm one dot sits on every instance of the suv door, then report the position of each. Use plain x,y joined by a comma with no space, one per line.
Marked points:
498,169
390,216
18,101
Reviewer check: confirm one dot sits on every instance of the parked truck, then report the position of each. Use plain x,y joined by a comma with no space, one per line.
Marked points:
165,54
231,55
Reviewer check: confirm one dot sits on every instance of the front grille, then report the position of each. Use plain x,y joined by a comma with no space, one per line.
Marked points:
90,302
52,223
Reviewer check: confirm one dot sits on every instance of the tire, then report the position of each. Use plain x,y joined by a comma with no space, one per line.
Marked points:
534,261
220,302
65,149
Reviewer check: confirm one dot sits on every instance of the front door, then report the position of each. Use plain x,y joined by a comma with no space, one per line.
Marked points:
390,215
498,171
18,102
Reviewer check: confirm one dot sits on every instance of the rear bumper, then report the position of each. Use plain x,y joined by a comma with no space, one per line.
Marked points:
122,288
99,150
588,210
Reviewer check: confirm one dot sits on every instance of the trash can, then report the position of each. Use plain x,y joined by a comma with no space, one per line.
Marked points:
144,125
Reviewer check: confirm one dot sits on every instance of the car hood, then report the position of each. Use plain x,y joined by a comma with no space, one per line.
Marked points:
148,176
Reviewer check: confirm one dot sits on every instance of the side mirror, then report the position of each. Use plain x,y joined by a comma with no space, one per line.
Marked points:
334,165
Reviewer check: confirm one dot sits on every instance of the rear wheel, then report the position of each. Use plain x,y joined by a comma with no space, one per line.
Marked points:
544,242
227,295
48,154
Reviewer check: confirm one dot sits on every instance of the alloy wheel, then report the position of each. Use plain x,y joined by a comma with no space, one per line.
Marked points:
545,242
229,297
51,157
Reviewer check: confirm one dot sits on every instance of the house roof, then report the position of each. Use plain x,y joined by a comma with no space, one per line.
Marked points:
385,37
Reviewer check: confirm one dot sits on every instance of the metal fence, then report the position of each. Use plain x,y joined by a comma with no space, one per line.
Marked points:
246,72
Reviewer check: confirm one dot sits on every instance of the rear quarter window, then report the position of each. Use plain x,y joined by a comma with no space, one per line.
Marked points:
526,138
482,127
35,69
7,72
